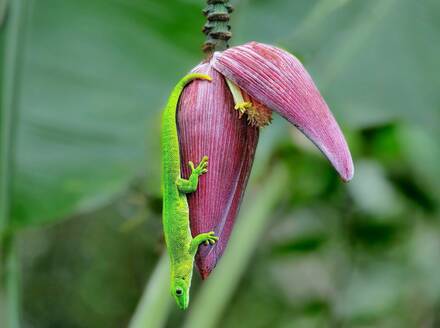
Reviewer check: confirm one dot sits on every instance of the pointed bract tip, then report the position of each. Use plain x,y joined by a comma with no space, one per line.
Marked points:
348,174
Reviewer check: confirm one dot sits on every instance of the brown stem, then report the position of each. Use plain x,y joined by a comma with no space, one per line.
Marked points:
217,28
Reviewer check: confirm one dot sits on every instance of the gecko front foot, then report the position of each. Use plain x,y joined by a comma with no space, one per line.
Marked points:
202,168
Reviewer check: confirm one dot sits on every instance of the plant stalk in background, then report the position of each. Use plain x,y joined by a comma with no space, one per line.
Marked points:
154,306
14,29
207,310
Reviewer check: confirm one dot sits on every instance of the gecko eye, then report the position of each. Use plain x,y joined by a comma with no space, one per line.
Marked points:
179,291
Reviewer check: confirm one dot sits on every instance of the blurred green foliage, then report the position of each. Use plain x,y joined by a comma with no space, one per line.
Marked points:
94,78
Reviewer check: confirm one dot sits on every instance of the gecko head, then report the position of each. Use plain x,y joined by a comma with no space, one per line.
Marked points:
180,292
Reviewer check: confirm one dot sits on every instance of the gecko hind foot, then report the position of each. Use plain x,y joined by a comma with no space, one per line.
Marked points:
208,238
211,238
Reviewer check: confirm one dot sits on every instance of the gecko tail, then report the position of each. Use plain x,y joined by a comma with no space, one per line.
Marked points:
193,76
178,89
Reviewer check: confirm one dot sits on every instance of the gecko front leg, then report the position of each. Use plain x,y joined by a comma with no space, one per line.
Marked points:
187,186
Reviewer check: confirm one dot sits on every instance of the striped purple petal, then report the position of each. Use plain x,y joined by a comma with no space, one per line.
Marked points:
209,125
278,80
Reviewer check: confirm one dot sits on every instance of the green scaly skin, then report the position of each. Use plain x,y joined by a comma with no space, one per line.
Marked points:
181,246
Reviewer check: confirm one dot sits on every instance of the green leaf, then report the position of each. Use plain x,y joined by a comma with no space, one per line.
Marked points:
96,75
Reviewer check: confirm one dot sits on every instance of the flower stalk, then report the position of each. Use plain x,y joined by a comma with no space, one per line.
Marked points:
217,28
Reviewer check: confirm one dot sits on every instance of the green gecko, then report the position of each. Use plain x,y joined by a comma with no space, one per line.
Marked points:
181,246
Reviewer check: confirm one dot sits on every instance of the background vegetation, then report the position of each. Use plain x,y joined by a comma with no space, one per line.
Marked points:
83,83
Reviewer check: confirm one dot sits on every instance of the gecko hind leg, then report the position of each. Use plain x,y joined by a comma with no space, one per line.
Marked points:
207,238
188,186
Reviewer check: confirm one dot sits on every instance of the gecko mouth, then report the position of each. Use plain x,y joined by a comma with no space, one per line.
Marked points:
181,296
182,302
